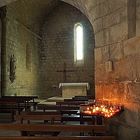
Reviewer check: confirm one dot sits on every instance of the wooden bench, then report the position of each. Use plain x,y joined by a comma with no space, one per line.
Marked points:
88,96
26,101
64,110
59,138
45,107
71,112
51,117
56,117
11,107
70,102
27,129
27,98
80,98
77,101
15,104
92,129
20,101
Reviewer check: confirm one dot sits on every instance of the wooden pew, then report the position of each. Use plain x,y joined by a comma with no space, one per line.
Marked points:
64,110
69,113
77,101
26,101
15,104
70,102
21,101
59,138
5,104
49,128
27,98
81,98
52,117
10,106
82,118
45,107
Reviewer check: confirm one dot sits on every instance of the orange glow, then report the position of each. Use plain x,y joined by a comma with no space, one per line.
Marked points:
104,109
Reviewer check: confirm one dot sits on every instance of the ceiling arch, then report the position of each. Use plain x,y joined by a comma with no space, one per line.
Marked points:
84,7
33,12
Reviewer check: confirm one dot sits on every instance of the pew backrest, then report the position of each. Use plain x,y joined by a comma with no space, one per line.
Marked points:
56,107
59,138
58,127
38,116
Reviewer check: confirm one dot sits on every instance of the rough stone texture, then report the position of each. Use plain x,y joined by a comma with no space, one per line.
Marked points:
18,36
0,53
111,22
131,12
31,13
109,19
4,2
122,86
113,26
58,48
137,17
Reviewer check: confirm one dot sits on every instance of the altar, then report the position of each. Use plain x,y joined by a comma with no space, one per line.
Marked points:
70,90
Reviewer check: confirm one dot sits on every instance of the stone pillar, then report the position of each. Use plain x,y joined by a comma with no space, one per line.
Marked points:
3,50
0,54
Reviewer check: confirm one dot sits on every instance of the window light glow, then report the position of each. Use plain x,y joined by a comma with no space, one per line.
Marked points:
79,42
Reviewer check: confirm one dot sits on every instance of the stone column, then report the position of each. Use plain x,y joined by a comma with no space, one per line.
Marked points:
3,50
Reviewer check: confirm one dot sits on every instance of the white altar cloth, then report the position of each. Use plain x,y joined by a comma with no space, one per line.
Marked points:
70,90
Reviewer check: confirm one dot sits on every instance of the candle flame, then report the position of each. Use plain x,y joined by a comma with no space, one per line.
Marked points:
103,109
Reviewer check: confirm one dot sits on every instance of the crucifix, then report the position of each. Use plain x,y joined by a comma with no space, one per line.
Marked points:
65,72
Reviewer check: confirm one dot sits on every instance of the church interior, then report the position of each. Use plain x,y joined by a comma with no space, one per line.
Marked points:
70,69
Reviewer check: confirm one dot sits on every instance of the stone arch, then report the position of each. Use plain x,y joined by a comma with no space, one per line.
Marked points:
48,44
0,53
86,9
80,5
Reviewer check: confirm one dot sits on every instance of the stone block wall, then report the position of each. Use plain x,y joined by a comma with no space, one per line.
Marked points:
116,43
116,23
18,38
0,53
116,26
58,48
137,17
125,90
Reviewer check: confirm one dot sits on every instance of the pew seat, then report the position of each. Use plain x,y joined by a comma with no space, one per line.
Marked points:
25,128
51,117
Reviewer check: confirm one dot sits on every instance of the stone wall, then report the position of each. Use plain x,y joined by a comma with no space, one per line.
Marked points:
0,53
58,48
125,90
117,65
18,38
117,58
137,17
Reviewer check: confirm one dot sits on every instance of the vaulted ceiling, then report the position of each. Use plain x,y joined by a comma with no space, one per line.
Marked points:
32,12
42,7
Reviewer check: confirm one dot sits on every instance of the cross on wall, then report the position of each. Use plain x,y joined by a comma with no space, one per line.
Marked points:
65,71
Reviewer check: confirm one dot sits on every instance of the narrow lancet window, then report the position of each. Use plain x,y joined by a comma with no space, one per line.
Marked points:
78,42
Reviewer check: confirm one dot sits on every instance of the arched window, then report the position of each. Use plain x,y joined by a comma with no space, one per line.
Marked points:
78,43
